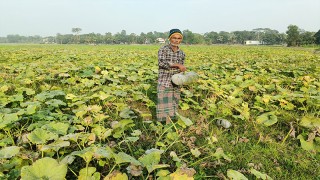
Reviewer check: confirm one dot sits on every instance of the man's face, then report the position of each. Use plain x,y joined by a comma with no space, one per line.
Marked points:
175,39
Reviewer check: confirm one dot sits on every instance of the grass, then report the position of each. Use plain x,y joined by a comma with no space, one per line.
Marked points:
254,146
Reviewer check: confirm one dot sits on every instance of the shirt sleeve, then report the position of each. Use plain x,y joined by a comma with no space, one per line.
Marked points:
162,61
183,58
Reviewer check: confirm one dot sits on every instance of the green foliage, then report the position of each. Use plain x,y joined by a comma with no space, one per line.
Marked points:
41,136
45,168
293,38
151,159
89,174
9,152
236,175
6,119
267,119
82,108
317,37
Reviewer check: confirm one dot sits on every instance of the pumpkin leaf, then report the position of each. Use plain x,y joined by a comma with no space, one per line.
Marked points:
183,121
183,173
41,136
260,175
310,122
267,119
9,152
57,127
151,160
55,145
45,168
122,157
306,145
8,119
31,109
116,175
89,174
55,103
236,175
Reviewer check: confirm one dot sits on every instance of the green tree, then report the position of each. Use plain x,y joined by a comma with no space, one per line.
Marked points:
14,38
317,37
223,37
188,37
132,38
240,36
151,37
91,38
293,35
198,39
121,37
59,38
77,32
64,39
160,35
269,36
108,38
211,37
142,38
307,37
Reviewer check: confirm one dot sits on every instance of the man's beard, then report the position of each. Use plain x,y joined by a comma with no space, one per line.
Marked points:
175,44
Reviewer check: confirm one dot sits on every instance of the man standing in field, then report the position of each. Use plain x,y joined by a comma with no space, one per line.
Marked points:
170,61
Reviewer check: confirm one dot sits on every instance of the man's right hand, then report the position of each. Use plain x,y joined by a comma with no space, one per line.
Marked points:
182,68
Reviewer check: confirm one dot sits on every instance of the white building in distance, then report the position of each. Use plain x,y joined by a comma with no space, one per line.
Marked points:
160,40
252,42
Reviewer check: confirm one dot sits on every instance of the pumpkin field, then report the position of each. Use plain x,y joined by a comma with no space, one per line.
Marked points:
88,112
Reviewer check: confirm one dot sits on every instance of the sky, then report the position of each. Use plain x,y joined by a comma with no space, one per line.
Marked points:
49,17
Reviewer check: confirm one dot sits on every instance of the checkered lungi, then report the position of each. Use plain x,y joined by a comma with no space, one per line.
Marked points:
168,102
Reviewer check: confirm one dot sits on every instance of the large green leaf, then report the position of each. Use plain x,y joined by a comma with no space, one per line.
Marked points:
9,152
126,113
121,126
306,145
89,174
267,119
103,152
57,127
151,160
45,168
8,119
310,121
49,94
184,173
41,136
94,152
55,103
116,175
122,157
31,109
235,175
260,175
86,154
55,145
29,91
183,121
17,97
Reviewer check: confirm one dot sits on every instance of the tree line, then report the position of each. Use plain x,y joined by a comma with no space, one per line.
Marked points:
294,36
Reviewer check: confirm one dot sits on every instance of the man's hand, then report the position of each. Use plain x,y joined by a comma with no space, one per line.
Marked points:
180,66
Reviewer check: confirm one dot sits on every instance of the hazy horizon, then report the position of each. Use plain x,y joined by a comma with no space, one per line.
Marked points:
47,18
